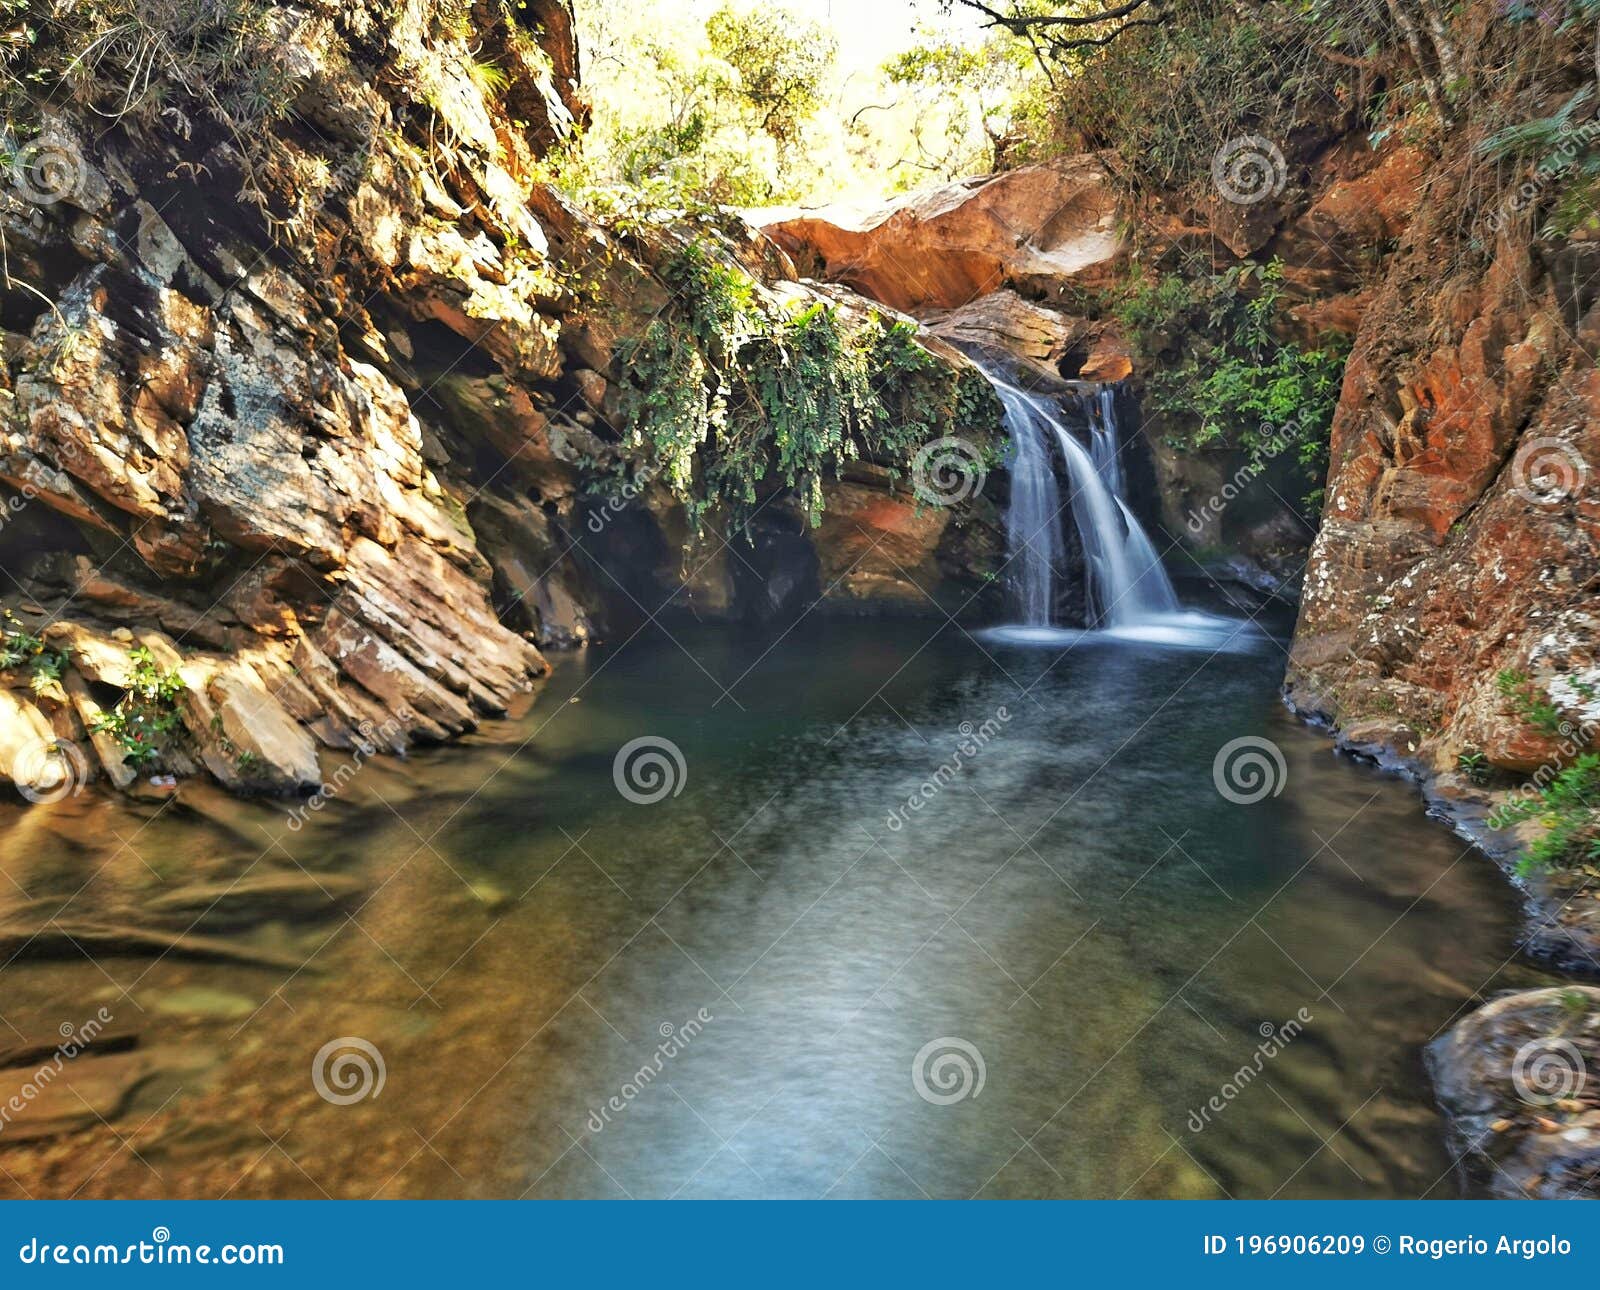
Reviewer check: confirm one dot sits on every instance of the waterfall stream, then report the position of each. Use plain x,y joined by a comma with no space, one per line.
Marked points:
1129,594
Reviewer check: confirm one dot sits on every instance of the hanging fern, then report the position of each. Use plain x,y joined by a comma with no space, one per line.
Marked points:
729,392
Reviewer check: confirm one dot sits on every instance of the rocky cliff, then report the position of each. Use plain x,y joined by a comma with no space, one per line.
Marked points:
311,402
1449,616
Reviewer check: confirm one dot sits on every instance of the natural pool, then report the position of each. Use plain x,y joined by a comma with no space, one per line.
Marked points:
1073,900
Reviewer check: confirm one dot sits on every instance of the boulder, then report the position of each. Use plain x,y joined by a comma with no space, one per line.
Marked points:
1004,321
1519,1081
1039,229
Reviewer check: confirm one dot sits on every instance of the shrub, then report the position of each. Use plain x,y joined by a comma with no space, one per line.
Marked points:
1569,808
729,391
1238,386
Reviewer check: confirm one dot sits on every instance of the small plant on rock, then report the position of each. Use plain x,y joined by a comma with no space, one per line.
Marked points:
1569,808
20,648
146,719
1529,703
1474,766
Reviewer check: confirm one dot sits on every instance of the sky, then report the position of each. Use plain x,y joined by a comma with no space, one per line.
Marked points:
871,31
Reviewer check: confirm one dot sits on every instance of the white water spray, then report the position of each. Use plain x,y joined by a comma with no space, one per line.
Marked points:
1129,593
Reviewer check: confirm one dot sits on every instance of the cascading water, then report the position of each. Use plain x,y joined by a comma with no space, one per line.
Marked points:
1129,593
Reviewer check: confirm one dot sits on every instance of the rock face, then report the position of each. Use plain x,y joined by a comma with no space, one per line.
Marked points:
217,439
1519,1081
316,421
1459,539
1037,229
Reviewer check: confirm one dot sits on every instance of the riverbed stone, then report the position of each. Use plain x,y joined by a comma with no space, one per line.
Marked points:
1519,1082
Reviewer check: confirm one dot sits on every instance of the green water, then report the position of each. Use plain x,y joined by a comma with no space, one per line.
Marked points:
1074,901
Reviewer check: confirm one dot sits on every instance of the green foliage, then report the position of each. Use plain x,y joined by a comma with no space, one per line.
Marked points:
1238,385
1529,702
693,113
781,61
1166,96
19,648
1569,808
145,720
731,392
1474,765
965,108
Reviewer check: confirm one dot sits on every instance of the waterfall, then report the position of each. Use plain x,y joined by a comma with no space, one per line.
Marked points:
1128,592
1100,411
1127,584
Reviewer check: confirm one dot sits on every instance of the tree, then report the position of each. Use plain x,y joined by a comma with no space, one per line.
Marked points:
782,61
1058,29
974,106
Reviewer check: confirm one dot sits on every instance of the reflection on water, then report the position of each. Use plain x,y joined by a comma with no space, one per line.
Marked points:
891,868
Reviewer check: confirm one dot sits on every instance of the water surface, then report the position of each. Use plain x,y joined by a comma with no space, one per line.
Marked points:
1072,902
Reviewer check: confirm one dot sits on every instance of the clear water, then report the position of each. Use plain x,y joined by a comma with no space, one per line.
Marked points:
1075,901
